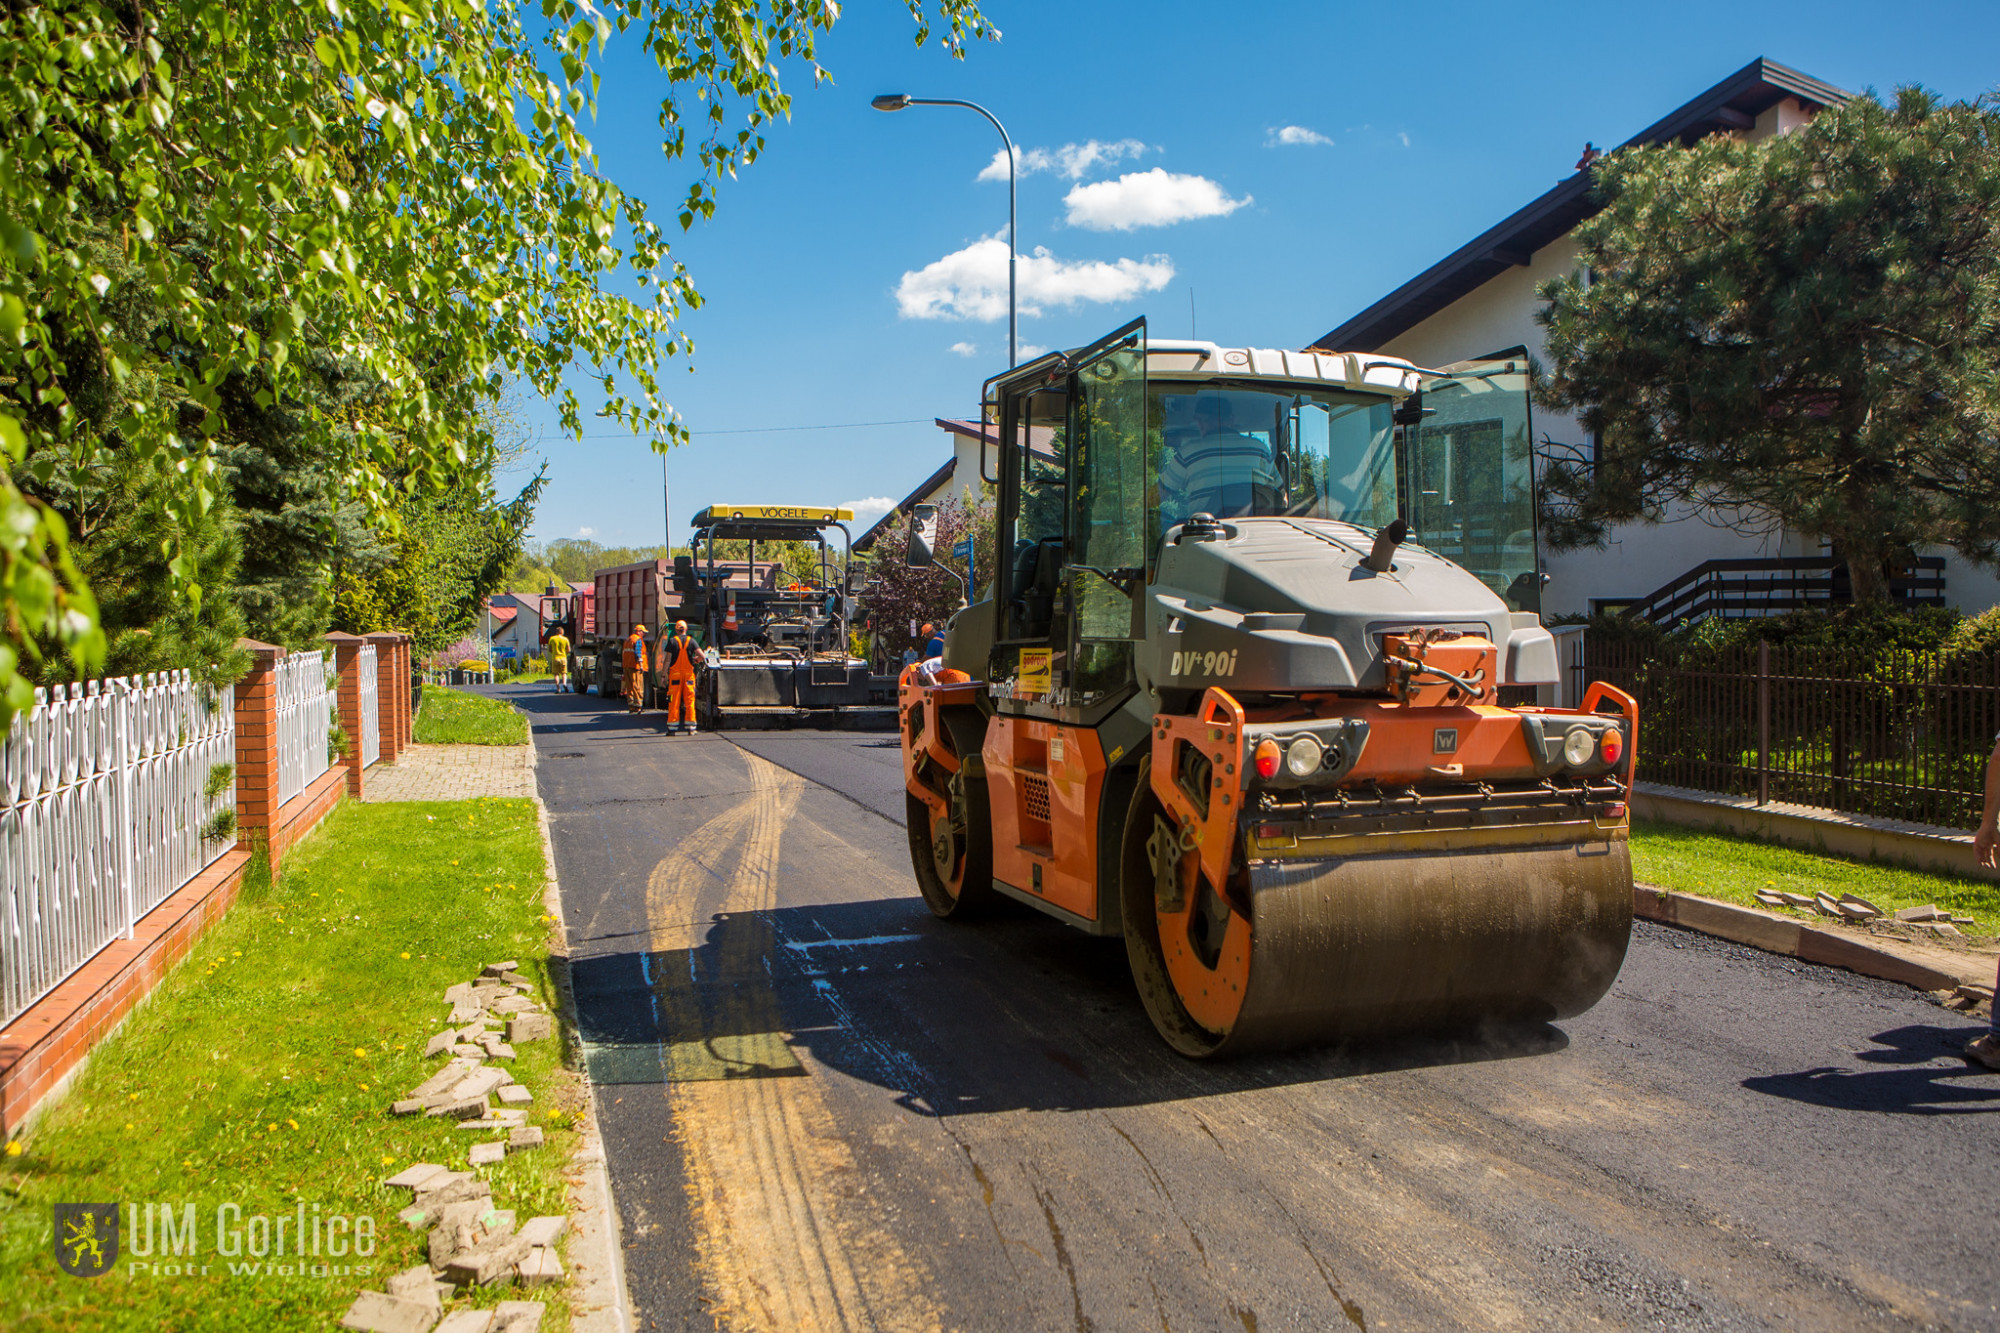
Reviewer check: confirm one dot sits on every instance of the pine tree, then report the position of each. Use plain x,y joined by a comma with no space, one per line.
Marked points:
1802,331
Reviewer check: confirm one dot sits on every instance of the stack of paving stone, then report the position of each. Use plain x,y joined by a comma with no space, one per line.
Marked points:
472,1243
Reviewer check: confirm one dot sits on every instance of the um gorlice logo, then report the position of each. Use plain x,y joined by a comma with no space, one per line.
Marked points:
86,1238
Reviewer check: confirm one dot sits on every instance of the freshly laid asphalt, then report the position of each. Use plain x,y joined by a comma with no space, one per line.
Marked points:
825,1109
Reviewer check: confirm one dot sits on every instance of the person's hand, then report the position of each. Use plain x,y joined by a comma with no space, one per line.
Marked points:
1986,843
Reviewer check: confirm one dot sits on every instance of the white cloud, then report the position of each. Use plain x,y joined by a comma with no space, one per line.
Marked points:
1029,351
1155,198
1404,137
964,349
972,283
586,532
1296,136
867,510
1073,160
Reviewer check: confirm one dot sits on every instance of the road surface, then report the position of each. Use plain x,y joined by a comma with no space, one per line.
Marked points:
824,1109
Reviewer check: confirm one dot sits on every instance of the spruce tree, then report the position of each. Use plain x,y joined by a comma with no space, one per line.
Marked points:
1802,331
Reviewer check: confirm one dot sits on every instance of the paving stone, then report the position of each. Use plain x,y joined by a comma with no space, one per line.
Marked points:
529,1027
470,1034
501,969
515,979
412,1177
414,1217
468,1049
545,1230
1928,912
540,1268
459,993
528,1136
512,1004
468,1190
416,1284
378,1312
517,1317
459,1227
408,1106
515,1095
485,1154
467,1321
439,1044
480,1082
444,1078
486,1122
440,1181
470,1108
508,1116
488,1263
466,1011
500,1050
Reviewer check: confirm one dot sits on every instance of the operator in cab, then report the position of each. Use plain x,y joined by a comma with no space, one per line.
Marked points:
1216,468
635,669
678,656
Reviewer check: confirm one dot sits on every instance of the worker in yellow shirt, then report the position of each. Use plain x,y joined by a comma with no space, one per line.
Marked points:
677,655
558,650
635,669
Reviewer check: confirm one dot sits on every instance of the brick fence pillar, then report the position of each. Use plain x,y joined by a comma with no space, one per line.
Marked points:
388,699
257,747
346,658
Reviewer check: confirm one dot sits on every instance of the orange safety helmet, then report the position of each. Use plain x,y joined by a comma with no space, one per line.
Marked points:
680,627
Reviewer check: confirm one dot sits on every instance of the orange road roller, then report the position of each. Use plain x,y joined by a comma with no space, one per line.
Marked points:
1251,682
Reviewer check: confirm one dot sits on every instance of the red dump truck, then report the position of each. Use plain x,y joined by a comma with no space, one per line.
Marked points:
652,593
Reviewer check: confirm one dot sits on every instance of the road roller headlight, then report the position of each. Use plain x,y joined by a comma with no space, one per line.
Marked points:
1579,747
1303,757
1612,747
1267,758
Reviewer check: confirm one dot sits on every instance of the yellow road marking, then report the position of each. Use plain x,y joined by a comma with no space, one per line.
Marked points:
790,1237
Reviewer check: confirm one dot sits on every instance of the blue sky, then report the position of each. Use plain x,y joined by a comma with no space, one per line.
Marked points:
843,272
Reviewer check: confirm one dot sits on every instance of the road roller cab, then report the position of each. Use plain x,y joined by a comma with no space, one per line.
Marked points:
1252,686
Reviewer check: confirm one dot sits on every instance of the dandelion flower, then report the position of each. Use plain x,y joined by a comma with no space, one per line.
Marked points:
274,1126
362,1086
406,955
386,1159
13,1149
360,1054
293,1123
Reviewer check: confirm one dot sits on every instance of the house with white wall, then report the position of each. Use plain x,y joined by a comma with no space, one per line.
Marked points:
1480,300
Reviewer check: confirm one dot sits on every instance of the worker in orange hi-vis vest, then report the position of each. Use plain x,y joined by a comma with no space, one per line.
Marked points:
677,655
635,669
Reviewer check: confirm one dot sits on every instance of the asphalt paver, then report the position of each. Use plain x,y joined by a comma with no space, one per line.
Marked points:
823,1108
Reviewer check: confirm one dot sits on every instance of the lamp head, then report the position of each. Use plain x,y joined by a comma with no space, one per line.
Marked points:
890,101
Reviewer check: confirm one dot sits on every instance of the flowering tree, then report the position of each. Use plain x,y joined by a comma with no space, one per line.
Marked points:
897,595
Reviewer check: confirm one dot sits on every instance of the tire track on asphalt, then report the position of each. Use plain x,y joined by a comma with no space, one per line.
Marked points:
790,1236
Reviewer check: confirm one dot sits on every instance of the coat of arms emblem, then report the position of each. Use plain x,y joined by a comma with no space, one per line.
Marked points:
86,1238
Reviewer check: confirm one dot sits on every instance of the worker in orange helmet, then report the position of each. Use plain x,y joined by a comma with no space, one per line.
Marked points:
677,655
635,669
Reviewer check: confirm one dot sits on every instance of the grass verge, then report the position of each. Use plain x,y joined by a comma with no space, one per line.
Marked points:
453,717
1723,865
260,1073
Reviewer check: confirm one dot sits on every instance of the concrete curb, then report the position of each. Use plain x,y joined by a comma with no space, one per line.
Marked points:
1795,939
599,1301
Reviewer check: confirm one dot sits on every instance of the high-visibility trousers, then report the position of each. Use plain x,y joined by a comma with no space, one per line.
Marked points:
680,697
635,687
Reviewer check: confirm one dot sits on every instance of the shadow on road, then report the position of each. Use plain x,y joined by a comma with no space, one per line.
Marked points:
1930,1090
1011,1013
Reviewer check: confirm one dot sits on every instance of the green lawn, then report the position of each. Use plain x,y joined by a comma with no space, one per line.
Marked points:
1718,865
261,1071
453,717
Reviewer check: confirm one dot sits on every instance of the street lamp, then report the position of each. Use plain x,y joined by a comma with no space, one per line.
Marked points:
896,102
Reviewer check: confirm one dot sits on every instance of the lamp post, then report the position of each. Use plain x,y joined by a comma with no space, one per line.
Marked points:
896,102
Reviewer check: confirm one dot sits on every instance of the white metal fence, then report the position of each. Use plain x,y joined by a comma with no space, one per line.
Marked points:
371,713
112,795
306,710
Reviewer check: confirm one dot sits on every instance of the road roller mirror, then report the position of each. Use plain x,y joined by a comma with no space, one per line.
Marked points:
923,537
